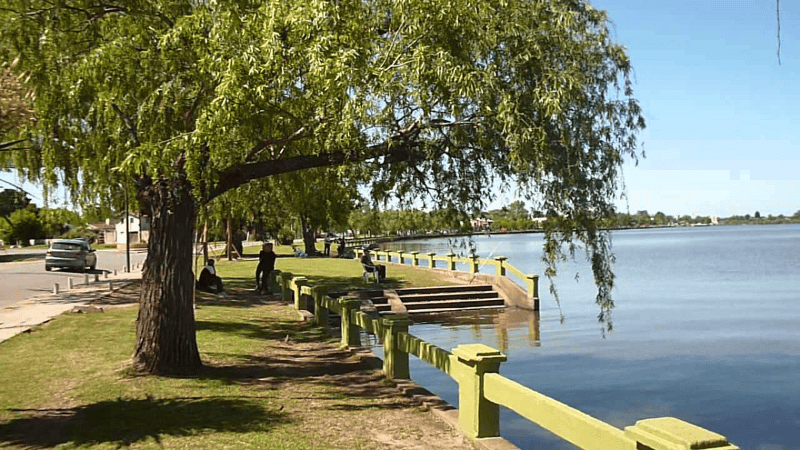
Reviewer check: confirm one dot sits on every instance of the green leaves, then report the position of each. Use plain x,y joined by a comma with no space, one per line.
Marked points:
436,100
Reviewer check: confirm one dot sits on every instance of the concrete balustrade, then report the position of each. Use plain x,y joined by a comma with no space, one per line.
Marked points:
272,281
477,416
474,263
395,360
300,301
432,260
481,388
501,271
530,282
351,335
451,261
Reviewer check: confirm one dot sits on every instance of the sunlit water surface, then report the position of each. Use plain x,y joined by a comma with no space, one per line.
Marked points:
706,329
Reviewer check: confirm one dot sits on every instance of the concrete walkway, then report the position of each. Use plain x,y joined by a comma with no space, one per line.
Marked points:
37,310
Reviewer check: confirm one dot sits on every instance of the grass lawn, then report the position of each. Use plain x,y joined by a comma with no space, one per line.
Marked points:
333,273
269,381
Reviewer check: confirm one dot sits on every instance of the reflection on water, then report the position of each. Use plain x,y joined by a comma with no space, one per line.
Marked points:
707,329
501,323
495,327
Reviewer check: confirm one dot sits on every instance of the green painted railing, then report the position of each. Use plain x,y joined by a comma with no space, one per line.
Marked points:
530,281
481,389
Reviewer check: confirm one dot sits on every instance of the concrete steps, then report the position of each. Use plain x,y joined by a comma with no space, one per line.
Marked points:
430,300
441,299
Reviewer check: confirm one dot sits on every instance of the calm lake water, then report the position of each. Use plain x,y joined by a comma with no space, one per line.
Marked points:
706,329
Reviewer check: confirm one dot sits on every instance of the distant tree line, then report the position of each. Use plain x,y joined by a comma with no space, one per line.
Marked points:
22,221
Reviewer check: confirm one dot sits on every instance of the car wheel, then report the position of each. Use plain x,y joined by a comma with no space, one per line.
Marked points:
48,268
92,267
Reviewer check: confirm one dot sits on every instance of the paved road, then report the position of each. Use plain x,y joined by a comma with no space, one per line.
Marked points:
22,280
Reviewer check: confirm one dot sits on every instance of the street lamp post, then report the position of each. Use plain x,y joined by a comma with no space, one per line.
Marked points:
127,234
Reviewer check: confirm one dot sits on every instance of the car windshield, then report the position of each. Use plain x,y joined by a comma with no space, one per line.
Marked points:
66,246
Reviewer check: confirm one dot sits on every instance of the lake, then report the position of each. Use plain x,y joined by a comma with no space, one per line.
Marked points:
706,329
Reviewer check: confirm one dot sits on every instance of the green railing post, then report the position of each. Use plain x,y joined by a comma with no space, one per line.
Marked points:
501,271
300,300
320,312
351,335
432,261
401,257
667,433
532,281
388,256
395,360
474,263
451,261
286,292
477,416
274,287
415,259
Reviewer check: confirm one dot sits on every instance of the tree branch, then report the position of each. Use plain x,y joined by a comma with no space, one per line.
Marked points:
399,147
128,123
236,176
5,146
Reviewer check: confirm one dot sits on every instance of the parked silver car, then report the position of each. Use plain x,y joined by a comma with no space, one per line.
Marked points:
70,253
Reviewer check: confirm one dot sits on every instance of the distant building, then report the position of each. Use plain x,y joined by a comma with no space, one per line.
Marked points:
106,232
138,228
537,217
481,224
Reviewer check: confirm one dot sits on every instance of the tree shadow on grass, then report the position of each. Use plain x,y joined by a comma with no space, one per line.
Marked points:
265,329
128,421
298,352
353,376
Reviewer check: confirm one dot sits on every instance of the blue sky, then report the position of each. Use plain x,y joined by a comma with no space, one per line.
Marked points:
719,107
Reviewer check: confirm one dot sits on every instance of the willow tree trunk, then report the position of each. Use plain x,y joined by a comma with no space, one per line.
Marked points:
165,329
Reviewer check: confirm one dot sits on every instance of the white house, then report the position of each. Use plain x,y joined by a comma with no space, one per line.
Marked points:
481,223
138,227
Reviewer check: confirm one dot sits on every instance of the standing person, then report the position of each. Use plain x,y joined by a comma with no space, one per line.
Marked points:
327,251
266,264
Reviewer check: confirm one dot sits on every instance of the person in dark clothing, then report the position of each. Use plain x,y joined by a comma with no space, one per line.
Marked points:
209,281
340,248
266,264
369,266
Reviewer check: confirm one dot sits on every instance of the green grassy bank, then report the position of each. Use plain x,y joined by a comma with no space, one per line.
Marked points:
269,381
334,273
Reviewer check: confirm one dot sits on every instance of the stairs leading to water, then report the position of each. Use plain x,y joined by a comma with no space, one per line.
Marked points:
440,299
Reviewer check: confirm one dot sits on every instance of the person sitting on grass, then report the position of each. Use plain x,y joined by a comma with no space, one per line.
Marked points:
298,253
209,281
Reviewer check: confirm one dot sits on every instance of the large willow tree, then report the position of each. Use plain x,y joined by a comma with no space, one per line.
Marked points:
442,100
